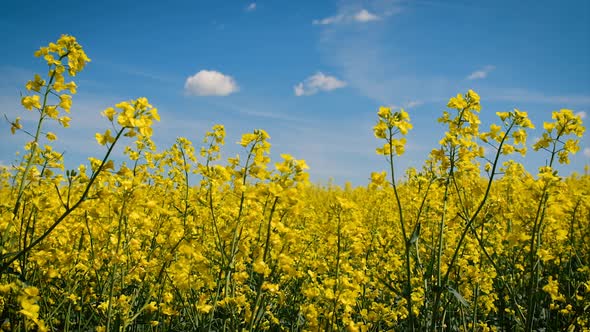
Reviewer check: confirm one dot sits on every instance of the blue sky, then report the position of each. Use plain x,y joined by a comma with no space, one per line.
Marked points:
311,73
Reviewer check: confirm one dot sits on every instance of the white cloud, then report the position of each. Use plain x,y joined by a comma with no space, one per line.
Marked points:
582,114
362,16
363,59
587,152
414,103
482,73
365,16
251,7
210,83
318,82
329,20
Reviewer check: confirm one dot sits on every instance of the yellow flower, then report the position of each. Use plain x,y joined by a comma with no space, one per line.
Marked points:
503,115
384,112
548,126
572,145
260,267
35,84
125,107
151,307
519,136
404,127
399,145
72,87
105,138
204,308
51,136
155,115
552,288
473,96
16,125
167,297
64,121
378,178
65,102
29,309
125,120
142,103
457,103
380,130
31,101
51,111
51,60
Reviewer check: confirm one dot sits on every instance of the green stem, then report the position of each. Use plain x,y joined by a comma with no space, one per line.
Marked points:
407,244
472,218
535,239
21,186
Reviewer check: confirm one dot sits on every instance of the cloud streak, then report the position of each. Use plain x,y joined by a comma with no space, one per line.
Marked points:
530,96
481,73
365,59
361,16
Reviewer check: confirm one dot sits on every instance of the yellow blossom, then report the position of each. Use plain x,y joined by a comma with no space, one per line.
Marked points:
31,101
51,136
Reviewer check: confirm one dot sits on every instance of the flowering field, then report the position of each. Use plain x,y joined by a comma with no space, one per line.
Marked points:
469,242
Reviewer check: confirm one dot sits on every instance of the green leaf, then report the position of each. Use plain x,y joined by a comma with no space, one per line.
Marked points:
458,296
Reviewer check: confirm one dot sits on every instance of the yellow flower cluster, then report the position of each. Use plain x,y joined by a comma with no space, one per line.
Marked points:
566,123
389,125
180,240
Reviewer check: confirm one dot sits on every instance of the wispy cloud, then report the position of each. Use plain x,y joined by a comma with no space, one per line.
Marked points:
316,83
408,104
210,83
132,70
582,114
329,20
268,115
251,7
256,111
587,152
530,96
362,55
414,103
361,16
481,73
365,66
365,16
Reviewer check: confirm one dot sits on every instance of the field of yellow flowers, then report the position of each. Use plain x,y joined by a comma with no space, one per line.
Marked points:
466,243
